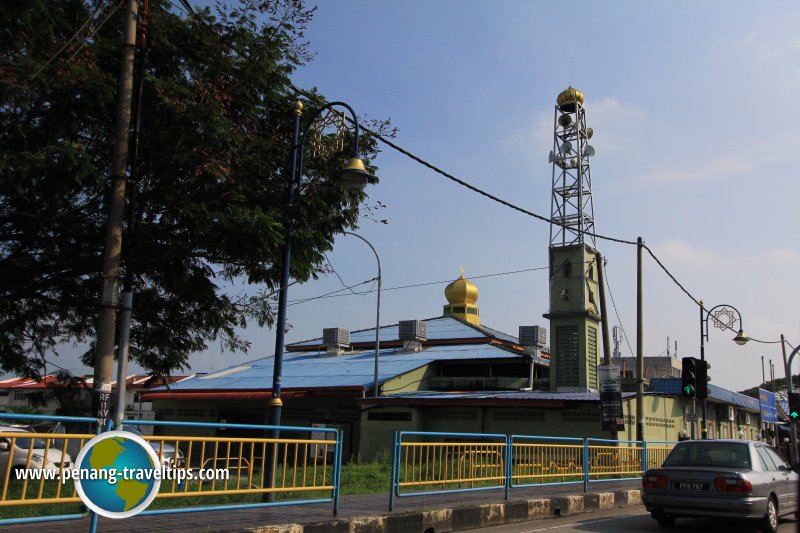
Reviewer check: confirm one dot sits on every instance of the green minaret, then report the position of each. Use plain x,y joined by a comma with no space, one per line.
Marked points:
574,299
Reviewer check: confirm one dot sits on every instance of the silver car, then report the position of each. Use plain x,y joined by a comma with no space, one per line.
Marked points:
721,478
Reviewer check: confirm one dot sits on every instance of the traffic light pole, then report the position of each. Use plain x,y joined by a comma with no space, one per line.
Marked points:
793,452
703,426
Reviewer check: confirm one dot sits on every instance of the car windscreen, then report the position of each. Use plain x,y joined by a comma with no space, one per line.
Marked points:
713,454
25,443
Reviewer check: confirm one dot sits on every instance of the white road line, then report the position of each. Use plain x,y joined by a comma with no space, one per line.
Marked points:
583,522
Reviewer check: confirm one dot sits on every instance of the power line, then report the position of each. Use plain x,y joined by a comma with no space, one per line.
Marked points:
614,305
327,295
337,274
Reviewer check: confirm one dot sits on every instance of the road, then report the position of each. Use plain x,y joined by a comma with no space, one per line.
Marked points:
630,520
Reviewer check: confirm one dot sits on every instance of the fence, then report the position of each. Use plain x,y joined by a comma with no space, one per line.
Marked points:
435,463
305,467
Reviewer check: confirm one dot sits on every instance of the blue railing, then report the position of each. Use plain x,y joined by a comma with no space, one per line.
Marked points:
436,463
305,468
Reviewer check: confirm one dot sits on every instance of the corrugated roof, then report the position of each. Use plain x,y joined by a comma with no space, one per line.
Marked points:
504,395
672,386
439,328
316,370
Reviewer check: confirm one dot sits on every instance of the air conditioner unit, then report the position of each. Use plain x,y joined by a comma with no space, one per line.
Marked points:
335,337
413,330
533,336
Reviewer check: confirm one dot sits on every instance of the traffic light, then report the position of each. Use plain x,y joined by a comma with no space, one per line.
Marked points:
689,377
794,406
702,379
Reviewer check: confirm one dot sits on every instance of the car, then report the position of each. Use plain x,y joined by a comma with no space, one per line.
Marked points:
16,450
722,478
169,457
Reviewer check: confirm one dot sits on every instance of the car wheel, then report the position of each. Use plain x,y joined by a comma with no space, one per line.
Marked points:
770,522
667,521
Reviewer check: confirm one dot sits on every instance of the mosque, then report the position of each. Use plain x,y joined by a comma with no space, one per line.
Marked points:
452,373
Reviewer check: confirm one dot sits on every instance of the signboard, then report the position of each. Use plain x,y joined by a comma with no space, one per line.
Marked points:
766,405
691,417
610,398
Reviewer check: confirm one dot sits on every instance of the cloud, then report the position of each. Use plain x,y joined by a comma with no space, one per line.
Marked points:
674,252
718,168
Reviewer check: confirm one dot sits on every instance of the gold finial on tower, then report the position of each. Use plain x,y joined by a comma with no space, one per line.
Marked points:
461,296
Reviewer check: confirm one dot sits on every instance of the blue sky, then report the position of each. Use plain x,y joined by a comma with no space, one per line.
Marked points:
696,128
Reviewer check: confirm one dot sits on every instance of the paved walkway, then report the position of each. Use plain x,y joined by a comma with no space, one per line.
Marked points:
320,516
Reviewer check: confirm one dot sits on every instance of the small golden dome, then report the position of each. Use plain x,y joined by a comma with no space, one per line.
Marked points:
568,98
461,291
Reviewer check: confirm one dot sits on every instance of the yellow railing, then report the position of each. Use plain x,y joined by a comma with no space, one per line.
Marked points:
534,462
613,461
657,454
227,465
426,465
204,466
29,458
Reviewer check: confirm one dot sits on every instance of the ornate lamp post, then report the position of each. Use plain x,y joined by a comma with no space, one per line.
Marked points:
353,176
724,319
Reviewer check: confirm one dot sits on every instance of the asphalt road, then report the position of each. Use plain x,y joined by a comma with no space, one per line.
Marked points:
629,519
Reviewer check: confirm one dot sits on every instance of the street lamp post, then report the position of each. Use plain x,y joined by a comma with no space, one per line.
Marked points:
723,319
377,314
354,176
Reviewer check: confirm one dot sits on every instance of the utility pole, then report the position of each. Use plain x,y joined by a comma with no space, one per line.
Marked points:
639,344
109,299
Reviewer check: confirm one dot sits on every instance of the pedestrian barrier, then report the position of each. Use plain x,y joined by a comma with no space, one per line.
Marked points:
303,466
306,469
546,460
40,452
435,463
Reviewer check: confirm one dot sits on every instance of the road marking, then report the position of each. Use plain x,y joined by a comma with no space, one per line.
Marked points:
583,522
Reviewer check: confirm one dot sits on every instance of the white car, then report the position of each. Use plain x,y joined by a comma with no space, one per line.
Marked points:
41,457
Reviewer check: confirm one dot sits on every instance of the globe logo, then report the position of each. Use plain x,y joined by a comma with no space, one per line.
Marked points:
118,474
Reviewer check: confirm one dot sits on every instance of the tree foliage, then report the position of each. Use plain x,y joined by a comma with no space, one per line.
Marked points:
213,156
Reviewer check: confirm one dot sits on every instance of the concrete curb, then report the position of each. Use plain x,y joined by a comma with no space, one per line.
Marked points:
467,516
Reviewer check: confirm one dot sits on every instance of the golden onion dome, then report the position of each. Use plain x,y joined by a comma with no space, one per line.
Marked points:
568,98
461,291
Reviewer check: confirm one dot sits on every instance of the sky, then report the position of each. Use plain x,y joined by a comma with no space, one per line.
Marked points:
695,128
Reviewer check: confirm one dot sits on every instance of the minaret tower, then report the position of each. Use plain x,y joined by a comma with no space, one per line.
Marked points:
574,299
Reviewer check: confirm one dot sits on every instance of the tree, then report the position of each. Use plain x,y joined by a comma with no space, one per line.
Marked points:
212,166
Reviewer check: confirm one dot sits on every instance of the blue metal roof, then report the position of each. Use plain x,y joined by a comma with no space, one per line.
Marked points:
505,395
439,328
351,369
672,386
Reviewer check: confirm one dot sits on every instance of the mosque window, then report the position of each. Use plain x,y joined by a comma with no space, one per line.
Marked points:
565,294
472,311
567,269
591,271
459,310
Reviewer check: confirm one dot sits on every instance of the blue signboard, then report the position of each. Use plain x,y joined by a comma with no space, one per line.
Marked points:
766,403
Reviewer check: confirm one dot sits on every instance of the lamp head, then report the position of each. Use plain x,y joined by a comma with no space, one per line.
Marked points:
741,338
354,175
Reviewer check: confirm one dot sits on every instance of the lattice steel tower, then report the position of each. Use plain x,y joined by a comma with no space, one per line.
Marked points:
574,302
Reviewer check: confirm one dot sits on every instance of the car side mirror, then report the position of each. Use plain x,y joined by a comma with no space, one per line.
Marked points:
783,468
3,446
796,466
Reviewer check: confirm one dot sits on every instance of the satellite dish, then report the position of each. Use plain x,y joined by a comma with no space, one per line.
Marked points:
588,150
573,163
589,133
560,162
564,120
566,147
551,157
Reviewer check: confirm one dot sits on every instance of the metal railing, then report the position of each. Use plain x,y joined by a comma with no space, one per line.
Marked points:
546,460
306,469
435,463
32,466
207,473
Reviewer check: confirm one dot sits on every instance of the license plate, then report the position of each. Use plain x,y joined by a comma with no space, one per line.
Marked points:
690,485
